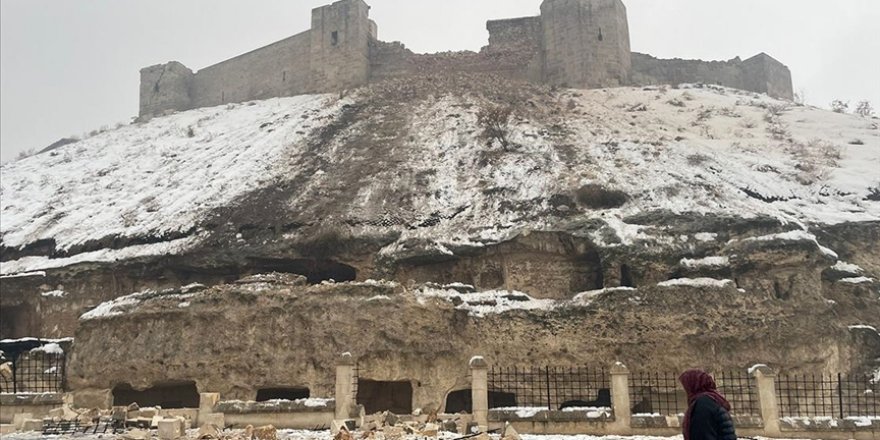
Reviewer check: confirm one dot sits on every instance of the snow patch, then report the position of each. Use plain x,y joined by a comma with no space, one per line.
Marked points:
705,262
857,280
696,282
54,294
50,348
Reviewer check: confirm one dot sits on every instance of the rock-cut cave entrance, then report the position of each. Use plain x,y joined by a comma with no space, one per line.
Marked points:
462,401
377,396
315,271
282,393
168,395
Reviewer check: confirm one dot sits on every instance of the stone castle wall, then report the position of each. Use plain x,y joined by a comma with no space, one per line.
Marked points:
573,43
761,73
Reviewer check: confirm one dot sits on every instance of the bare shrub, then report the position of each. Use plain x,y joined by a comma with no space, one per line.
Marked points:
495,121
838,106
864,109
25,154
596,196
814,159
675,102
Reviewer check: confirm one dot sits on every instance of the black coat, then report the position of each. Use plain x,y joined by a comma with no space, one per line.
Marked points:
710,421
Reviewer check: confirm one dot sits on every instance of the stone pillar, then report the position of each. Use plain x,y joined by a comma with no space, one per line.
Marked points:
344,386
207,402
765,382
620,399
480,392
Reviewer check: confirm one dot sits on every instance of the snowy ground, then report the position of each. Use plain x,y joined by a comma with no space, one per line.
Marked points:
703,150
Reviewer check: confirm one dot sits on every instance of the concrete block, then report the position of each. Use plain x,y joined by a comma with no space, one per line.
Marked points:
170,429
18,419
7,428
93,398
30,425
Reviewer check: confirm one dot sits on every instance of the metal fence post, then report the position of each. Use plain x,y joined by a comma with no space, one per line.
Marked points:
840,393
547,377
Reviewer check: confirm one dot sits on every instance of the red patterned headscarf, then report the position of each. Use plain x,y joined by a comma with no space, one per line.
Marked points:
698,383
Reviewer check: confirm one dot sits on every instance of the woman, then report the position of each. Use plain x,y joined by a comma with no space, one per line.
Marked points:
707,416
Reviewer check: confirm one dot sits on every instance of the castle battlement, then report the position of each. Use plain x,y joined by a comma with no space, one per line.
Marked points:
573,43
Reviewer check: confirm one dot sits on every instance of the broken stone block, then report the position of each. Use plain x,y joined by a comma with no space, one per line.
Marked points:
208,431
343,434
148,413
154,421
136,434
18,419
394,433
7,428
449,426
29,425
430,430
267,432
169,429
56,412
509,433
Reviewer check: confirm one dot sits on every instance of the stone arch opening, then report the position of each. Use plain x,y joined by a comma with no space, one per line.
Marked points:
501,399
378,396
168,395
459,401
282,393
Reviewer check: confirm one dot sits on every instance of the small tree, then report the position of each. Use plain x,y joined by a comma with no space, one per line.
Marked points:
839,106
864,109
495,121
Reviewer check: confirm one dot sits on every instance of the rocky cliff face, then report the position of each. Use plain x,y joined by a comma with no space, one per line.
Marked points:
732,214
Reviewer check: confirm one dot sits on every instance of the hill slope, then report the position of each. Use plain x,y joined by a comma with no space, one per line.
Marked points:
397,159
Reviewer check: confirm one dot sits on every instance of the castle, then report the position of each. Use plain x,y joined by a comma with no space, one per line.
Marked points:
573,43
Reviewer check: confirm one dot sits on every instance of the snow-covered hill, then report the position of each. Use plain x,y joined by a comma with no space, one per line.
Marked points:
422,167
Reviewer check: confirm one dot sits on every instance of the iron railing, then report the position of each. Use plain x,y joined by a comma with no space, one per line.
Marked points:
34,372
827,395
548,387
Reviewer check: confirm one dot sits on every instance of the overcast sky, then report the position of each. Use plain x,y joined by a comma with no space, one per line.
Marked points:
70,66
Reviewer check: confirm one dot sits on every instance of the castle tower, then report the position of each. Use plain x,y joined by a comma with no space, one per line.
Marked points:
340,45
585,43
165,87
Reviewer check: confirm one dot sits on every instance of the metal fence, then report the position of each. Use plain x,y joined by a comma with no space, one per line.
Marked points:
553,388
821,395
34,372
656,393
741,391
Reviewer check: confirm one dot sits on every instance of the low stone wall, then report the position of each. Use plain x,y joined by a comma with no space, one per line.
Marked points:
37,405
284,414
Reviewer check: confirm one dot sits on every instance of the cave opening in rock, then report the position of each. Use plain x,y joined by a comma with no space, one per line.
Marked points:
168,395
282,393
377,396
315,271
459,401
626,277
602,400
500,399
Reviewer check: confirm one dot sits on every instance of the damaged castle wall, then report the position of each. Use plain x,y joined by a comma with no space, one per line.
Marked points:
761,73
573,43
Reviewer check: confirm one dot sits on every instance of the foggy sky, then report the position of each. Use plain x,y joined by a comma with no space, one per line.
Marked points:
71,66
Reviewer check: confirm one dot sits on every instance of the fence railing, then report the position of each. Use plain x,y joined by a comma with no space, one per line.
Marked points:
554,388
656,393
33,373
832,395
741,391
